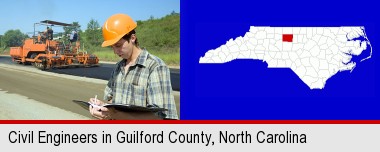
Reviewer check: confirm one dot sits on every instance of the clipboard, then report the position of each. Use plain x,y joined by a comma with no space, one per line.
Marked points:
122,107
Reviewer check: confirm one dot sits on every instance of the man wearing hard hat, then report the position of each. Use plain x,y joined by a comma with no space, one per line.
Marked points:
140,78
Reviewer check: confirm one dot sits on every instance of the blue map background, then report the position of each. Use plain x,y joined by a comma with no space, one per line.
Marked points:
247,89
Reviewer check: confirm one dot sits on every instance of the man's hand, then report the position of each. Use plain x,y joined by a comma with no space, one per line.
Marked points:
99,111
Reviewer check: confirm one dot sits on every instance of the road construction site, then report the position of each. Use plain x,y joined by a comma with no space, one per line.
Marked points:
30,93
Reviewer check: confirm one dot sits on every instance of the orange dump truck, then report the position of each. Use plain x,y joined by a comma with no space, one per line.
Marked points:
43,52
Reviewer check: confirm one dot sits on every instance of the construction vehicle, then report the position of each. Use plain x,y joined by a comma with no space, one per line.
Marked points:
45,52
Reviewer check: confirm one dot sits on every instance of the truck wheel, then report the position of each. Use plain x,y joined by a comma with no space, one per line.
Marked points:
32,57
44,64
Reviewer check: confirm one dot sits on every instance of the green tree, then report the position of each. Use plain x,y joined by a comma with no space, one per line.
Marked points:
69,29
93,33
151,18
13,38
1,41
174,13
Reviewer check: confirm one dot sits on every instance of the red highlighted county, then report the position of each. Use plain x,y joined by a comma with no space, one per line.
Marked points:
287,37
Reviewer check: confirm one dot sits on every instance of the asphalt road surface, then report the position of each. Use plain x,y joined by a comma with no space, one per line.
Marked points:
29,93
51,90
103,71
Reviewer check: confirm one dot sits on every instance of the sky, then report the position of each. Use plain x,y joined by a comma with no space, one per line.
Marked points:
22,14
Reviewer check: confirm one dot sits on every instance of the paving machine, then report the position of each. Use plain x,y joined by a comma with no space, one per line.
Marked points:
45,52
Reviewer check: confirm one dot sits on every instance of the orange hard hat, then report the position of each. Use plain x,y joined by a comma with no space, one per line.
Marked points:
116,27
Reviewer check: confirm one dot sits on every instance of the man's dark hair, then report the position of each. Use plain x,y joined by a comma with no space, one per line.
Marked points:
127,37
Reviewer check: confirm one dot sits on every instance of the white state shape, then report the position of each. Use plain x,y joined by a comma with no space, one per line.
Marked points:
261,35
315,54
287,46
323,65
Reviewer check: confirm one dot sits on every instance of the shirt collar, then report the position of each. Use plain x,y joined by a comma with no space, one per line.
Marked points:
141,59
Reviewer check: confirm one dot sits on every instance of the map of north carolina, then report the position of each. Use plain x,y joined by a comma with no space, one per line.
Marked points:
315,54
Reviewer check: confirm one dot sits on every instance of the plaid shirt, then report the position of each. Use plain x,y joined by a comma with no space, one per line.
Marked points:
147,82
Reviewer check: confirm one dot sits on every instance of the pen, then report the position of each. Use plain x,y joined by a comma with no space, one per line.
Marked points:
96,96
